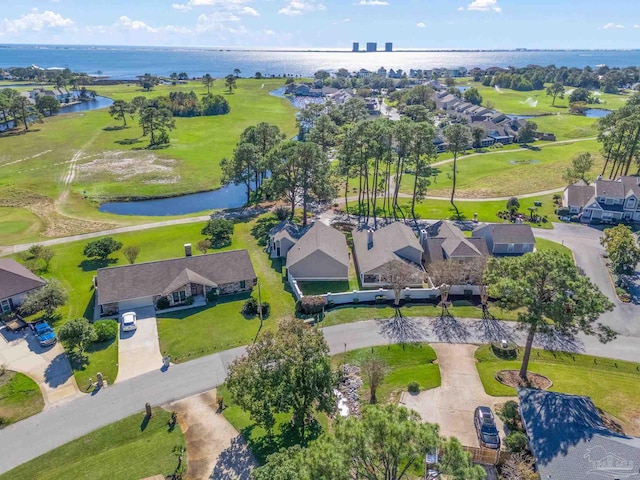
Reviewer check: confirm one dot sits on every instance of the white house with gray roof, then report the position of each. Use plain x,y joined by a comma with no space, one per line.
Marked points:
444,241
282,237
507,238
373,250
605,201
321,254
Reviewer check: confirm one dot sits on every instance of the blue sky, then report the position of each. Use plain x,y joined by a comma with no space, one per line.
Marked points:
485,24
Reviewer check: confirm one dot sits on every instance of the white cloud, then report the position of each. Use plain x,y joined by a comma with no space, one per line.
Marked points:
346,20
126,23
298,7
252,12
36,21
612,25
483,6
184,7
372,3
636,26
420,25
218,22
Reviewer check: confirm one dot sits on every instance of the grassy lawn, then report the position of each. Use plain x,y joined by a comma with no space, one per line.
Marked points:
20,398
193,333
318,288
33,163
613,385
355,313
19,225
486,210
544,244
567,127
537,102
408,363
100,357
527,170
127,449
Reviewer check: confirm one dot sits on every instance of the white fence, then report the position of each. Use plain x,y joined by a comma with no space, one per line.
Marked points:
360,296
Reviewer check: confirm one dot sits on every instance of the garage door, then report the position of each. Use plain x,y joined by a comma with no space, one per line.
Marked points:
136,303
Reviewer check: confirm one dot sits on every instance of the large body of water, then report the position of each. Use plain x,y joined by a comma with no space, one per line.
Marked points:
127,62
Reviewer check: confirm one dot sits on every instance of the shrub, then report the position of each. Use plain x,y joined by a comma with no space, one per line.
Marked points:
219,232
380,299
281,213
189,300
250,308
510,415
414,388
516,442
212,296
312,304
163,303
106,330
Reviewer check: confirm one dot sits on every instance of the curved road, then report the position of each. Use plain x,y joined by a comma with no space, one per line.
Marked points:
50,429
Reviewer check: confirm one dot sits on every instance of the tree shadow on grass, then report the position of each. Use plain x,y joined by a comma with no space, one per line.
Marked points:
93,264
115,128
79,362
287,436
128,141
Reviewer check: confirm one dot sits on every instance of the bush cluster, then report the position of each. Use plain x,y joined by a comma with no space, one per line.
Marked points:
106,330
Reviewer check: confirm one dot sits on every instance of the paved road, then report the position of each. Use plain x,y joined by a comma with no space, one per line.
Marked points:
584,241
62,424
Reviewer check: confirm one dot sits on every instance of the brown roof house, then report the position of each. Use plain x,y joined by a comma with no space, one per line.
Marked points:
143,284
444,241
373,250
321,254
507,238
16,282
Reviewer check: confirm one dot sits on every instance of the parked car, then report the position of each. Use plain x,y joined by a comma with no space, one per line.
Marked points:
129,321
485,422
45,335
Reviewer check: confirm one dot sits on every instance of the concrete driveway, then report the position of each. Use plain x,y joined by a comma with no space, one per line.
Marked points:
139,350
584,241
453,403
48,366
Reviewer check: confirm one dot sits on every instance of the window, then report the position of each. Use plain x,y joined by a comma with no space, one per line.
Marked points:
176,297
183,295
510,248
608,201
370,279
243,284
5,306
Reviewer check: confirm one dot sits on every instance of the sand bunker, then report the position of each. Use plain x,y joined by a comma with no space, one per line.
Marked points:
126,165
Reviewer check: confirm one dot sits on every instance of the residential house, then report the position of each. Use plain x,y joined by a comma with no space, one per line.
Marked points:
507,238
143,284
396,74
611,201
382,72
577,196
440,144
569,439
16,282
364,73
374,250
463,106
373,107
444,241
341,96
447,102
321,254
282,237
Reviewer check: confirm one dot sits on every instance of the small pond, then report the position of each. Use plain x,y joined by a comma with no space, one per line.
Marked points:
463,88
523,162
296,101
596,112
231,196
95,104
519,117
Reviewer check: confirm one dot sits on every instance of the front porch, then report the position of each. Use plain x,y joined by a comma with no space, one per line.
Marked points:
198,301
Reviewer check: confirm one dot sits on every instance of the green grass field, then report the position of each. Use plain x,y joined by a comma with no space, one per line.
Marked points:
113,162
20,398
515,173
524,103
409,363
125,450
613,385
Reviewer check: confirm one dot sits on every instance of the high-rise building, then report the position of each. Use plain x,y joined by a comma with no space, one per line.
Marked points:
372,46
356,47
388,47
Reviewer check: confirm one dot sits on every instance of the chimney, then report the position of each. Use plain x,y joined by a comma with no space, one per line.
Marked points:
370,239
423,235
187,249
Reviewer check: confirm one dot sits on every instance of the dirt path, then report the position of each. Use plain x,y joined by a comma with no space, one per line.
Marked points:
215,450
73,168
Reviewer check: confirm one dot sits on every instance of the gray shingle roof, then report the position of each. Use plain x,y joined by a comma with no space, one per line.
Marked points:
140,280
16,279
323,238
503,233
569,440
386,242
609,188
580,195
286,229
443,236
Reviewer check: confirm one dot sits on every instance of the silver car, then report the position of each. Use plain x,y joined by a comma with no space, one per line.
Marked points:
129,321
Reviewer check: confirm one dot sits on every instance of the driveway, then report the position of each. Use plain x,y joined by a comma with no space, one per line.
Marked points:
139,350
48,366
584,241
453,403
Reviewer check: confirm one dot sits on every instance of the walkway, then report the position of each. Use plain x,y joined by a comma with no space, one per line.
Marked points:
48,367
453,403
60,425
215,448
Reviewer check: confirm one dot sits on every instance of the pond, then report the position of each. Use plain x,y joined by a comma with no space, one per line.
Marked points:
520,117
463,88
596,112
231,196
523,162
296,101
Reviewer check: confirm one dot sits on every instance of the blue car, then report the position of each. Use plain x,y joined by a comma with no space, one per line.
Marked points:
45,334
